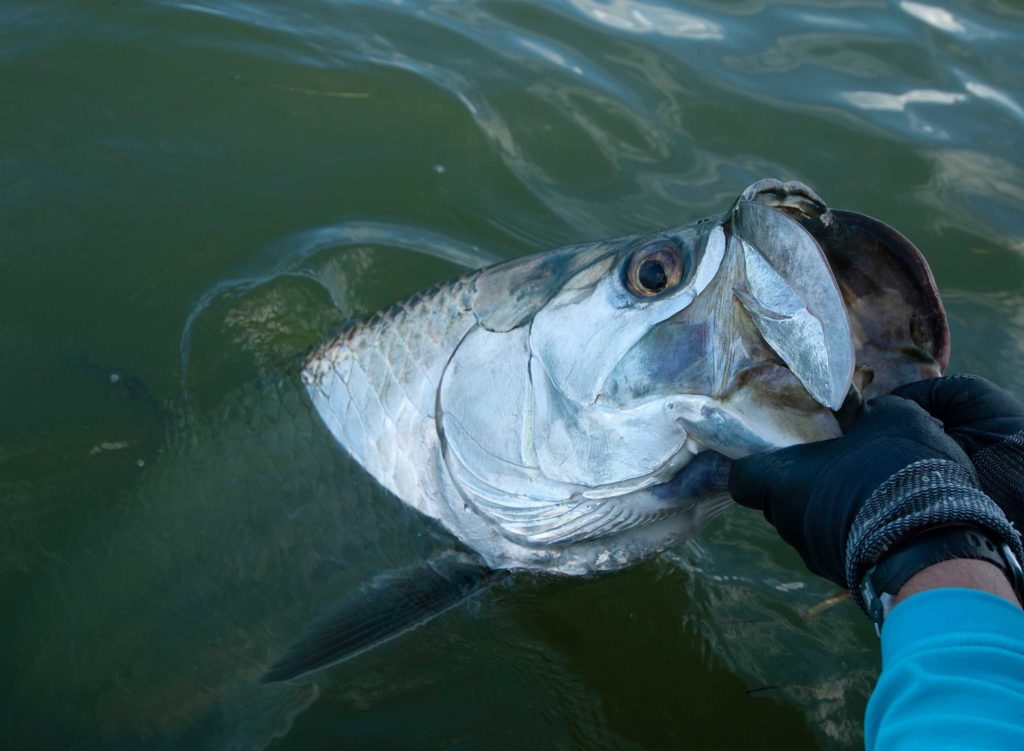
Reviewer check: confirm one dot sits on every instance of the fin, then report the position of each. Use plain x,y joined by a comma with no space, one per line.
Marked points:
252,715
385,608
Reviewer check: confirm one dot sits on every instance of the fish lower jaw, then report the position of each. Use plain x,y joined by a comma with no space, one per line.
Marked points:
693,445
686,453
750,421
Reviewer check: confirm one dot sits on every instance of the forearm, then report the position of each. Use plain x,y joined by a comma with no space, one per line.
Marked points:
952,662
952,668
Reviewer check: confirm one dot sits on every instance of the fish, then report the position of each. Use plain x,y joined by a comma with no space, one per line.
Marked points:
575,411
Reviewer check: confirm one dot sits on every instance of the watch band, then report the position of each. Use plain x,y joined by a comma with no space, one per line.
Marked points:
884,580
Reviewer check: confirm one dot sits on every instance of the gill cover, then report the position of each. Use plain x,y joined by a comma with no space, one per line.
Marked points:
527,435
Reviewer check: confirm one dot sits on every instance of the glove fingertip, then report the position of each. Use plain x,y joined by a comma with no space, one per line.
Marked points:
747,481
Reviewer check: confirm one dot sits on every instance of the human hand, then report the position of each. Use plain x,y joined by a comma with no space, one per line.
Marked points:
975,412
988,423
843,503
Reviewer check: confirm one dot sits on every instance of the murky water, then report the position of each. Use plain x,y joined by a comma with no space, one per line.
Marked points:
195,193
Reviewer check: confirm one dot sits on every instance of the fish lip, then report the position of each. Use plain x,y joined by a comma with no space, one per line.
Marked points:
702,416
793,197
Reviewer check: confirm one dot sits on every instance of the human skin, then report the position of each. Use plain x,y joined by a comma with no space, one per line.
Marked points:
959,572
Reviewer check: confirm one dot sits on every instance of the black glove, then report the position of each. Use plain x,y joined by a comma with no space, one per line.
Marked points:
988,424
842,503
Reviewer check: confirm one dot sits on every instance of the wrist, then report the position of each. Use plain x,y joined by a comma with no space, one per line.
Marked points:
909,507
963,573
915,560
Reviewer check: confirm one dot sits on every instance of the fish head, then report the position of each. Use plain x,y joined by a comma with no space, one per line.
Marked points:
611,366
757,324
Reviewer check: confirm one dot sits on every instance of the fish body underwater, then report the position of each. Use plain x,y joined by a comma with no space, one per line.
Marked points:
576,411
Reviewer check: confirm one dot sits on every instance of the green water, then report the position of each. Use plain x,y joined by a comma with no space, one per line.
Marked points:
195,193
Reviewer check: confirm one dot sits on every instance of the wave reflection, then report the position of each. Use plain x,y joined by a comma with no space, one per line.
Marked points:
879,100
647,18
939,18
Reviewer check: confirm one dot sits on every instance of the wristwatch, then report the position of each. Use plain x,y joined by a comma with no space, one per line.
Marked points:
884,580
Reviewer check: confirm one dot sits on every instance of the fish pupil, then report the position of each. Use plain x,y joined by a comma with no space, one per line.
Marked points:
652,275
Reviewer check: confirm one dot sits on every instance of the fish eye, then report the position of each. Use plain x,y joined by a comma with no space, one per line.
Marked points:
655,268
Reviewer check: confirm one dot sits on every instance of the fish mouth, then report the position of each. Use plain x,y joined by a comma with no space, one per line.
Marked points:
772,412
875,293
891,295
848,239
881,275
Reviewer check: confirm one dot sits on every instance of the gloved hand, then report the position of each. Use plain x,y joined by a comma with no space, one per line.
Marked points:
988,424
842,503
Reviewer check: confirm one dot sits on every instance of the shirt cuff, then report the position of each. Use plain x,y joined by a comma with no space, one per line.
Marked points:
953,616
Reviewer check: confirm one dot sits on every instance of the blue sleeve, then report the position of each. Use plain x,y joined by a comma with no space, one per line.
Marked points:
952,675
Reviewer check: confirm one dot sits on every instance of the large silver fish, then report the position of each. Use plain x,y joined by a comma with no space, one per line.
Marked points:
575,411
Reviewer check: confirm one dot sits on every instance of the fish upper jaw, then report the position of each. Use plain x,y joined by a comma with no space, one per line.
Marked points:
794,198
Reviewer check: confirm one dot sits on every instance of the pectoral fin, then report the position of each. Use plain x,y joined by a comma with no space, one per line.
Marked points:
387,607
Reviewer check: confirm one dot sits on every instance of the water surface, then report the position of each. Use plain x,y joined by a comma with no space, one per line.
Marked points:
196,193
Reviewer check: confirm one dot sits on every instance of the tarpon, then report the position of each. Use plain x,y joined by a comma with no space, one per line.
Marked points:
575,411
